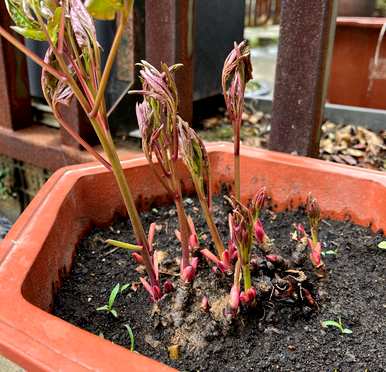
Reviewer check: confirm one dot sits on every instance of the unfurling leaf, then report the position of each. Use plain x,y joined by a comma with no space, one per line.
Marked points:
82,24
194,155
30,33
25,23
236,73
55,91
53,25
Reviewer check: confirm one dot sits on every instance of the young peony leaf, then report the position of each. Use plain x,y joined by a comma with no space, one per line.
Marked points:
104,10
54,91
53,25
113,295
82,24
331,323
30,33
124,287
131,335
25,24
382,245
347,331
128,246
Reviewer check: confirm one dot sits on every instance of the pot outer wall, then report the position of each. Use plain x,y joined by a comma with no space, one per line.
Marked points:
354,78
356,8
34,256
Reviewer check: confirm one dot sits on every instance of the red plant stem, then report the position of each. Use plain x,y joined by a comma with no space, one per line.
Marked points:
20,46
122,22
128,199
99,123
209,220
236,131
80,140
246,276
236,277
61,31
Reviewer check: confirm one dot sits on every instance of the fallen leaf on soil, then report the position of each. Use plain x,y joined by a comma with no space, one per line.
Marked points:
174,352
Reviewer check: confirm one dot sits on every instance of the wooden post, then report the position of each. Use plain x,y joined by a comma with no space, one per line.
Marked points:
305,49
15,103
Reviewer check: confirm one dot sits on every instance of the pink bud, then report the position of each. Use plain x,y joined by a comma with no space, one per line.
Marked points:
234,298
251,294
189,272
193,238
205,304
168,286
300,229
259,232
258,202
137,258
272,258
194,263
244,298
154,291
157,293
226,262
231,248
248,296
214,269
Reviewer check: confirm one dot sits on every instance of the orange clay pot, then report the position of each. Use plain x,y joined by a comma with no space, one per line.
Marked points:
40,247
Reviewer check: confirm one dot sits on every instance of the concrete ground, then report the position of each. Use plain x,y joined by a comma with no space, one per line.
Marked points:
8,366
263,41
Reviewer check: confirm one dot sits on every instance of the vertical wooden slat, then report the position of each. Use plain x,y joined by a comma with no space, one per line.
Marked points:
15,102
170,39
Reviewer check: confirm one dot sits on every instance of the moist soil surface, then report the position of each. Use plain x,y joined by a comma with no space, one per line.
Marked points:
277,336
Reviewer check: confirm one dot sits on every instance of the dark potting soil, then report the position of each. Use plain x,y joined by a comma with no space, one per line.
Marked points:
282,336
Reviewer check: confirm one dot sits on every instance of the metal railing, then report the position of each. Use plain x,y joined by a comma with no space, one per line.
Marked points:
261,12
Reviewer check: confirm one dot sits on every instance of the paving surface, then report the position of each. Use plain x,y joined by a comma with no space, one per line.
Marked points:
5,225
8,366
263,52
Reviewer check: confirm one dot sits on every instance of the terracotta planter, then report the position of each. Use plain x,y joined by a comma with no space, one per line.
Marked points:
353,80
356,8
40,246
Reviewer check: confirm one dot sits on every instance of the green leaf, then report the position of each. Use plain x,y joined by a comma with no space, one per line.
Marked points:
104,10
113,295
25,22
382,245
103,308
30,33
330,253
131,335
119,244
347,331
114,313
124,287
331,323
53,25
